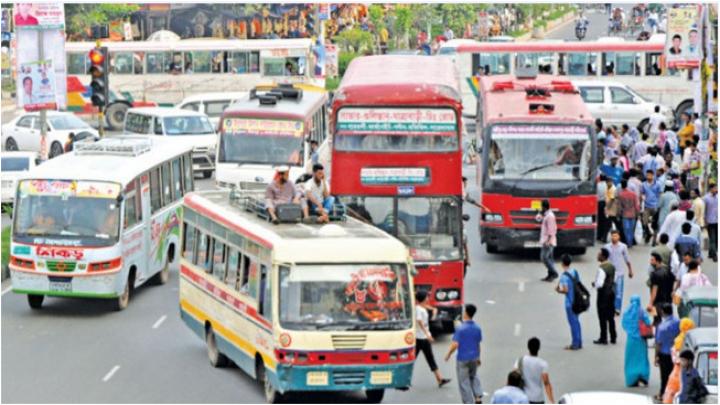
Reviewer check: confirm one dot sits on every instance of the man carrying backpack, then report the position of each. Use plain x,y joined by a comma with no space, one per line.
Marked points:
568,285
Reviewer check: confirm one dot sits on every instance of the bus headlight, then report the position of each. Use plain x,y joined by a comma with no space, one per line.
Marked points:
584,220
497,218
453,294
441,295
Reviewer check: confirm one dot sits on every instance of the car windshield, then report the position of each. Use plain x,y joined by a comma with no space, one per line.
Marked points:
429,226
86,211
539,152
396,130
345,297
14,164
635,93
188,126
707,366
67,122
245,140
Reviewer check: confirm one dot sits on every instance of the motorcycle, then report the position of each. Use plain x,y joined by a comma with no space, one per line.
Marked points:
580,30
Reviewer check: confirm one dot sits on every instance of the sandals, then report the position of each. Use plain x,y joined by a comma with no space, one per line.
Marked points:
571,347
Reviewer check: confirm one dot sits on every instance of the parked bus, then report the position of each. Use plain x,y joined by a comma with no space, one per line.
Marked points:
638,64
397,163
168,71
538,144
298,307
100,221
273,126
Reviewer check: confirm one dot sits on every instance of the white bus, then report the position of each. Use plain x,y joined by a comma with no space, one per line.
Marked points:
639,65
166,72
100,221
299,307
267,129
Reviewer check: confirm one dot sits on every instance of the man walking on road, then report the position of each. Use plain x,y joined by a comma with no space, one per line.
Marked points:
650,191
567,287
423,337
548,240
512,393
629,211
466,341
662,282
620,260
711,220
665,336
534,372
604,284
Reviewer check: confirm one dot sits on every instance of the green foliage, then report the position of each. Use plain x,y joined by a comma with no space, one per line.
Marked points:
355,40
403,19
80,17
332,83
376,13
5,253
344,59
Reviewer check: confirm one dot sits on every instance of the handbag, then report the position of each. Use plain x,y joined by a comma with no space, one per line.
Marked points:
646,331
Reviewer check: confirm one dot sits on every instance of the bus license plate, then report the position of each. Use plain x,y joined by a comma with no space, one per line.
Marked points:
531,244
381,377
317,378
61,286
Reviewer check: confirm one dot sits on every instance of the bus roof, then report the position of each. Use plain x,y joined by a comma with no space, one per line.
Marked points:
284,108
339,242
195,45
656,44
109,166
400,79
513,105
163,112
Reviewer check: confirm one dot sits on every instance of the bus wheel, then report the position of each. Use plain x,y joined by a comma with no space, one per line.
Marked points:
35,301
164,275
115,115
123,300
492,249
217,359
374,396
448,326
271,395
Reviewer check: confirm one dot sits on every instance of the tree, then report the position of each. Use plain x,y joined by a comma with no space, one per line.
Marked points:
81,17
403,22
355,40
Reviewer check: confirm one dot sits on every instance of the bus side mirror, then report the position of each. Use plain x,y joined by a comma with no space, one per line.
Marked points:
466,217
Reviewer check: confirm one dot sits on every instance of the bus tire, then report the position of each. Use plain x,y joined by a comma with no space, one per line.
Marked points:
55,150
115,114
163,275
374,396
217,359
122,301
35,301
271,394
448,326
490,248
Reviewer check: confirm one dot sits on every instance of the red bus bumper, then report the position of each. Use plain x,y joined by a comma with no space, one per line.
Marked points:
513,238
439,281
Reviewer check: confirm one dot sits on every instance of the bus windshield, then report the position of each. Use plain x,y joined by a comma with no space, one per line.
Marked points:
87,212
396,130
345,297
539,152
429,226
246,140
187,126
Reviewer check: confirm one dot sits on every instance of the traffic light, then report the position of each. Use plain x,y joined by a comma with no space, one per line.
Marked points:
99,69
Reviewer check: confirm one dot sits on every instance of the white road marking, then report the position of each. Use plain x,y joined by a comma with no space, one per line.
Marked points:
491,302
518,327
521,286
110,374
7,290
159,322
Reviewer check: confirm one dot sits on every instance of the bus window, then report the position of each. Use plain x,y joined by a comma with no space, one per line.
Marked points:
158,62
218,62
628,64
77,63
187,163
121,63
166,185
254,62
428,225
218,268
265,301
138,58
541,61
203,252
157,126
233,269
132,211
377,210
561,64
491,63
253,279
137,123
581,64
238,62
189,238
177,178
244,280
155,191
198,62
652,64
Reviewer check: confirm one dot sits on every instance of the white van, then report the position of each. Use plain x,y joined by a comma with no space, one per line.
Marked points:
212,104
192,127
616,104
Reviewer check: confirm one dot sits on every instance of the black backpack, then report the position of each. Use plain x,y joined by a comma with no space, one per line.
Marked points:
581,295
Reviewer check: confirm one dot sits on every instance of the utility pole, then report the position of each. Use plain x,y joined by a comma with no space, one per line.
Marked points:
43,112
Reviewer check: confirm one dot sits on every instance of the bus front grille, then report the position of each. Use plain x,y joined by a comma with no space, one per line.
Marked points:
348,377
348,342
60,266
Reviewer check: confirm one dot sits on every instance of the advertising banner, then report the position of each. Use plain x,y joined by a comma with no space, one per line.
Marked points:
259,127
39,16
397,121
27,53
324,11
683,43
394,175
38,85
331,60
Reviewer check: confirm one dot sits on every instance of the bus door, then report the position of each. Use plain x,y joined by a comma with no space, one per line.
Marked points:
146,218
133,234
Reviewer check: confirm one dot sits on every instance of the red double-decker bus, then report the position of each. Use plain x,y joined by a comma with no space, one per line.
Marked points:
397,163
538,143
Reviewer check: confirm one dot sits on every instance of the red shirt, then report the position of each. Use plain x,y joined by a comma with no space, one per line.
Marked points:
629,205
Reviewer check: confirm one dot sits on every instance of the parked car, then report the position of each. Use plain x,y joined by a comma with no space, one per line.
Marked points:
700,303
191,127
212,104
616,104
12,166
604,397
23,133
704,343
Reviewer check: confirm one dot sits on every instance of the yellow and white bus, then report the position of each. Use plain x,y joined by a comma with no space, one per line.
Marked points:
99,221
299,307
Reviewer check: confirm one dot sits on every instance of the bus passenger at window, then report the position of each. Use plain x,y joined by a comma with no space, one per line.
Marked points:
317,193
281,191
314,156
289,71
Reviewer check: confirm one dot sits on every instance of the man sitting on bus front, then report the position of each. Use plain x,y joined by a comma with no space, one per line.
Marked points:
281,191
318,196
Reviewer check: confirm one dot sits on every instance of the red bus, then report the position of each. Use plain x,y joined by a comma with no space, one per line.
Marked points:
397,163
538,143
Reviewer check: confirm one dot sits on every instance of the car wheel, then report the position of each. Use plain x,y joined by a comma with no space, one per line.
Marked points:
644,126
11,145
491,249
55,150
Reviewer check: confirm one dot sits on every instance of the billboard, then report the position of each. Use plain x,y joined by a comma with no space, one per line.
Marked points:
39,16
26,52
37,91
683,44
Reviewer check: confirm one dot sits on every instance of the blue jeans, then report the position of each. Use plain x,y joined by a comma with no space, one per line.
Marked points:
619,286
327,205
629,230
546,255
574,322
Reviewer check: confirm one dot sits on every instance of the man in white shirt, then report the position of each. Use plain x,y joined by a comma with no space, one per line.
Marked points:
317,192
673,225
423,338
535,375
655,119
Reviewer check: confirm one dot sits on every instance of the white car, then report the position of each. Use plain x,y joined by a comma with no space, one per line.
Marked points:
616,104
189,127
605,397
212,104
23,133
12,166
